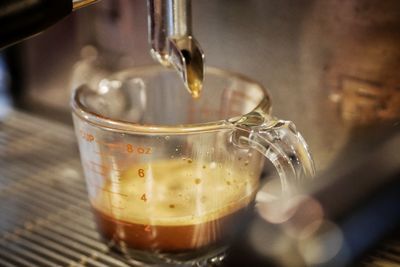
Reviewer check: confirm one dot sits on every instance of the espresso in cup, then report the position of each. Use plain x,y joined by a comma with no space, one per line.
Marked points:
174,206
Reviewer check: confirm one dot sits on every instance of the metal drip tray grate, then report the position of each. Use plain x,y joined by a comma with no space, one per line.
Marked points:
45,216
386,254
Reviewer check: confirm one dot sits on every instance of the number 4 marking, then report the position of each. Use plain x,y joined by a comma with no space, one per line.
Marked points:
143,197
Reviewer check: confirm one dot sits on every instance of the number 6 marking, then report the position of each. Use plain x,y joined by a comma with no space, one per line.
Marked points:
141,173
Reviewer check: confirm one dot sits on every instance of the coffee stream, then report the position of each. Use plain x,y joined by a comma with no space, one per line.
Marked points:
194,83
177,206
194,73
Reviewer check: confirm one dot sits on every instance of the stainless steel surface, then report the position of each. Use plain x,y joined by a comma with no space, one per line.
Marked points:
45,216
39,227
172,42
385,255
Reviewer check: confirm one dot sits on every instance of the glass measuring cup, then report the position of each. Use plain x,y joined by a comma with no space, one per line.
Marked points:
169,177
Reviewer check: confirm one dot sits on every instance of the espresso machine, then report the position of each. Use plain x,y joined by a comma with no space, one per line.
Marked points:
330,66
170,32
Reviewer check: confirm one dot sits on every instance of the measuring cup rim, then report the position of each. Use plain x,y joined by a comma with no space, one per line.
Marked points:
101,121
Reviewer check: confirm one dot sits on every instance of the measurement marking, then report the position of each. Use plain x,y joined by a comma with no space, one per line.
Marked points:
147,228
129,148
115,193
101,143
113,206
124,148
87,136
93,169
102,173
113,145
117,170
143,197
117,204
96,163
104,167
118,179
141,173
138,149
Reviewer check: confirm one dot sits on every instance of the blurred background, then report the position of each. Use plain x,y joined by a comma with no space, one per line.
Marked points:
313,56
332,67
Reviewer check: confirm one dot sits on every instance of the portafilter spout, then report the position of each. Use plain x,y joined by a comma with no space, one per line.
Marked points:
172,42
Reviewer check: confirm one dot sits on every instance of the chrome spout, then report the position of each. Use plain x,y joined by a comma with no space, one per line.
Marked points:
172,42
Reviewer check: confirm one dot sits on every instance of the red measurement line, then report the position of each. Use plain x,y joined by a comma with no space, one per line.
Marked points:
105,167
111,145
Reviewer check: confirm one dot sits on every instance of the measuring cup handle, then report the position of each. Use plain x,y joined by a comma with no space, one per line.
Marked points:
283,145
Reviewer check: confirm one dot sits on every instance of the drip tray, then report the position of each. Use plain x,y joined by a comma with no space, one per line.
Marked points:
45,216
